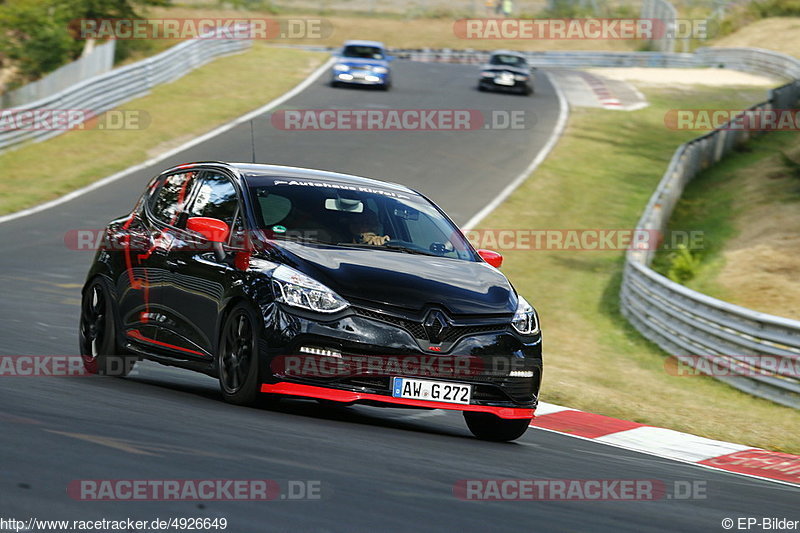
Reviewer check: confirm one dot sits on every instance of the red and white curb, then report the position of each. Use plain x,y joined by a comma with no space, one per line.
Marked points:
601,92
670,444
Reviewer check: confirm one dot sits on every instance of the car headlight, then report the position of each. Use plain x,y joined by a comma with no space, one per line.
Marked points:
298,290
521,77
525,320
341,68
487,74
380,70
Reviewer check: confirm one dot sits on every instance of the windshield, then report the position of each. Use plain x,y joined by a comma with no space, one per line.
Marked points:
363,52
508,61
338,214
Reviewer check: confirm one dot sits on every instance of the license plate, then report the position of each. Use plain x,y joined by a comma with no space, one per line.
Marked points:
434,391
504,81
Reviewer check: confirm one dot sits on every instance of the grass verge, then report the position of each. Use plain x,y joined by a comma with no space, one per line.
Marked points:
397,31
748,208
781,34
600,175
179,111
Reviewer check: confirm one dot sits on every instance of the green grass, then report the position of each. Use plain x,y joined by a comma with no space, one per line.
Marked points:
600,175
720,200
179,111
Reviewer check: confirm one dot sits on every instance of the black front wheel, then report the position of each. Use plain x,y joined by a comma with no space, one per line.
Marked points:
487,426
237,358
97,333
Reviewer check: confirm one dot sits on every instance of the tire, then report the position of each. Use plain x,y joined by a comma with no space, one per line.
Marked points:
482,88
335,84
97,333
487,426
238,356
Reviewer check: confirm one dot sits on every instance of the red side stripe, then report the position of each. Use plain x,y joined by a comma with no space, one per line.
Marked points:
136,334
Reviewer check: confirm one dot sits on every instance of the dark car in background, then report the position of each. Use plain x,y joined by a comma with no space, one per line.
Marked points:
507,71
286,281
364,63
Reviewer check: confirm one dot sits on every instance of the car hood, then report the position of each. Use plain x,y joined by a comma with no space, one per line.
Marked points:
358,62
503,68
403,280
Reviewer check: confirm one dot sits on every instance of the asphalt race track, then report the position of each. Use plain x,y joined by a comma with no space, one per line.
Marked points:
379,469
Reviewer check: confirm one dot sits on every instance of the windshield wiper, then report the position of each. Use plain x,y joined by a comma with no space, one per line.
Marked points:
393,247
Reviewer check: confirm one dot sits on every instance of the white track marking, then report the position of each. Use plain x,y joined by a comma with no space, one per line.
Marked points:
197,140
673,444
561,123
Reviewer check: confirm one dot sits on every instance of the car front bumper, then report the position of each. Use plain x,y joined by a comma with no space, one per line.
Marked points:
360,78
491,83
485,358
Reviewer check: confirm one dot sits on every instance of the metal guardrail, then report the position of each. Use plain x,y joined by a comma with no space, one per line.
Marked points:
665,11
101,93
681,321
99,61
755,352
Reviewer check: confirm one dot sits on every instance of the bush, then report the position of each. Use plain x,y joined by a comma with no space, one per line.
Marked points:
683,265
775,8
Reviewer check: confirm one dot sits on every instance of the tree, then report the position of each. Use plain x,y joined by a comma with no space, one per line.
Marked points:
38,36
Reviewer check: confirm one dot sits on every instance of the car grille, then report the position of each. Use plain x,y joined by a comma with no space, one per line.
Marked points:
417,330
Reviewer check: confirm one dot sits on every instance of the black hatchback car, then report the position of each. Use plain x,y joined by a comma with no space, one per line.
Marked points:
285,281
507,71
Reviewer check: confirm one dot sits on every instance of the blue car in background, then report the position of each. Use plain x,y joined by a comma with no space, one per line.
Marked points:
362,63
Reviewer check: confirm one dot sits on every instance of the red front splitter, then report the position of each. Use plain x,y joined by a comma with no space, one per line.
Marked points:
336,395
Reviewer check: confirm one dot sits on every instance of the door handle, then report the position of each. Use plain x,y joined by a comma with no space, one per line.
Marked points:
174,264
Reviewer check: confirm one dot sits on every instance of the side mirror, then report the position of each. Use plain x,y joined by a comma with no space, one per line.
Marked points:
214,230
493,258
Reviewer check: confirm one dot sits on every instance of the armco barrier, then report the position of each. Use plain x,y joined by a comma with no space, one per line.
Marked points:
681,321
101,93
684,322
99,61
665,11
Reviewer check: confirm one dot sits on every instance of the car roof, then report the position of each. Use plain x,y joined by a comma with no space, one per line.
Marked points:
256,170
509,53
357,42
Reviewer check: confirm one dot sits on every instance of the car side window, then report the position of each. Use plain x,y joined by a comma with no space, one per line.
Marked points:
169,202
215,198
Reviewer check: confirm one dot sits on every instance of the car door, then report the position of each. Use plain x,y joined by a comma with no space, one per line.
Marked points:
196,295
129,241
149,274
